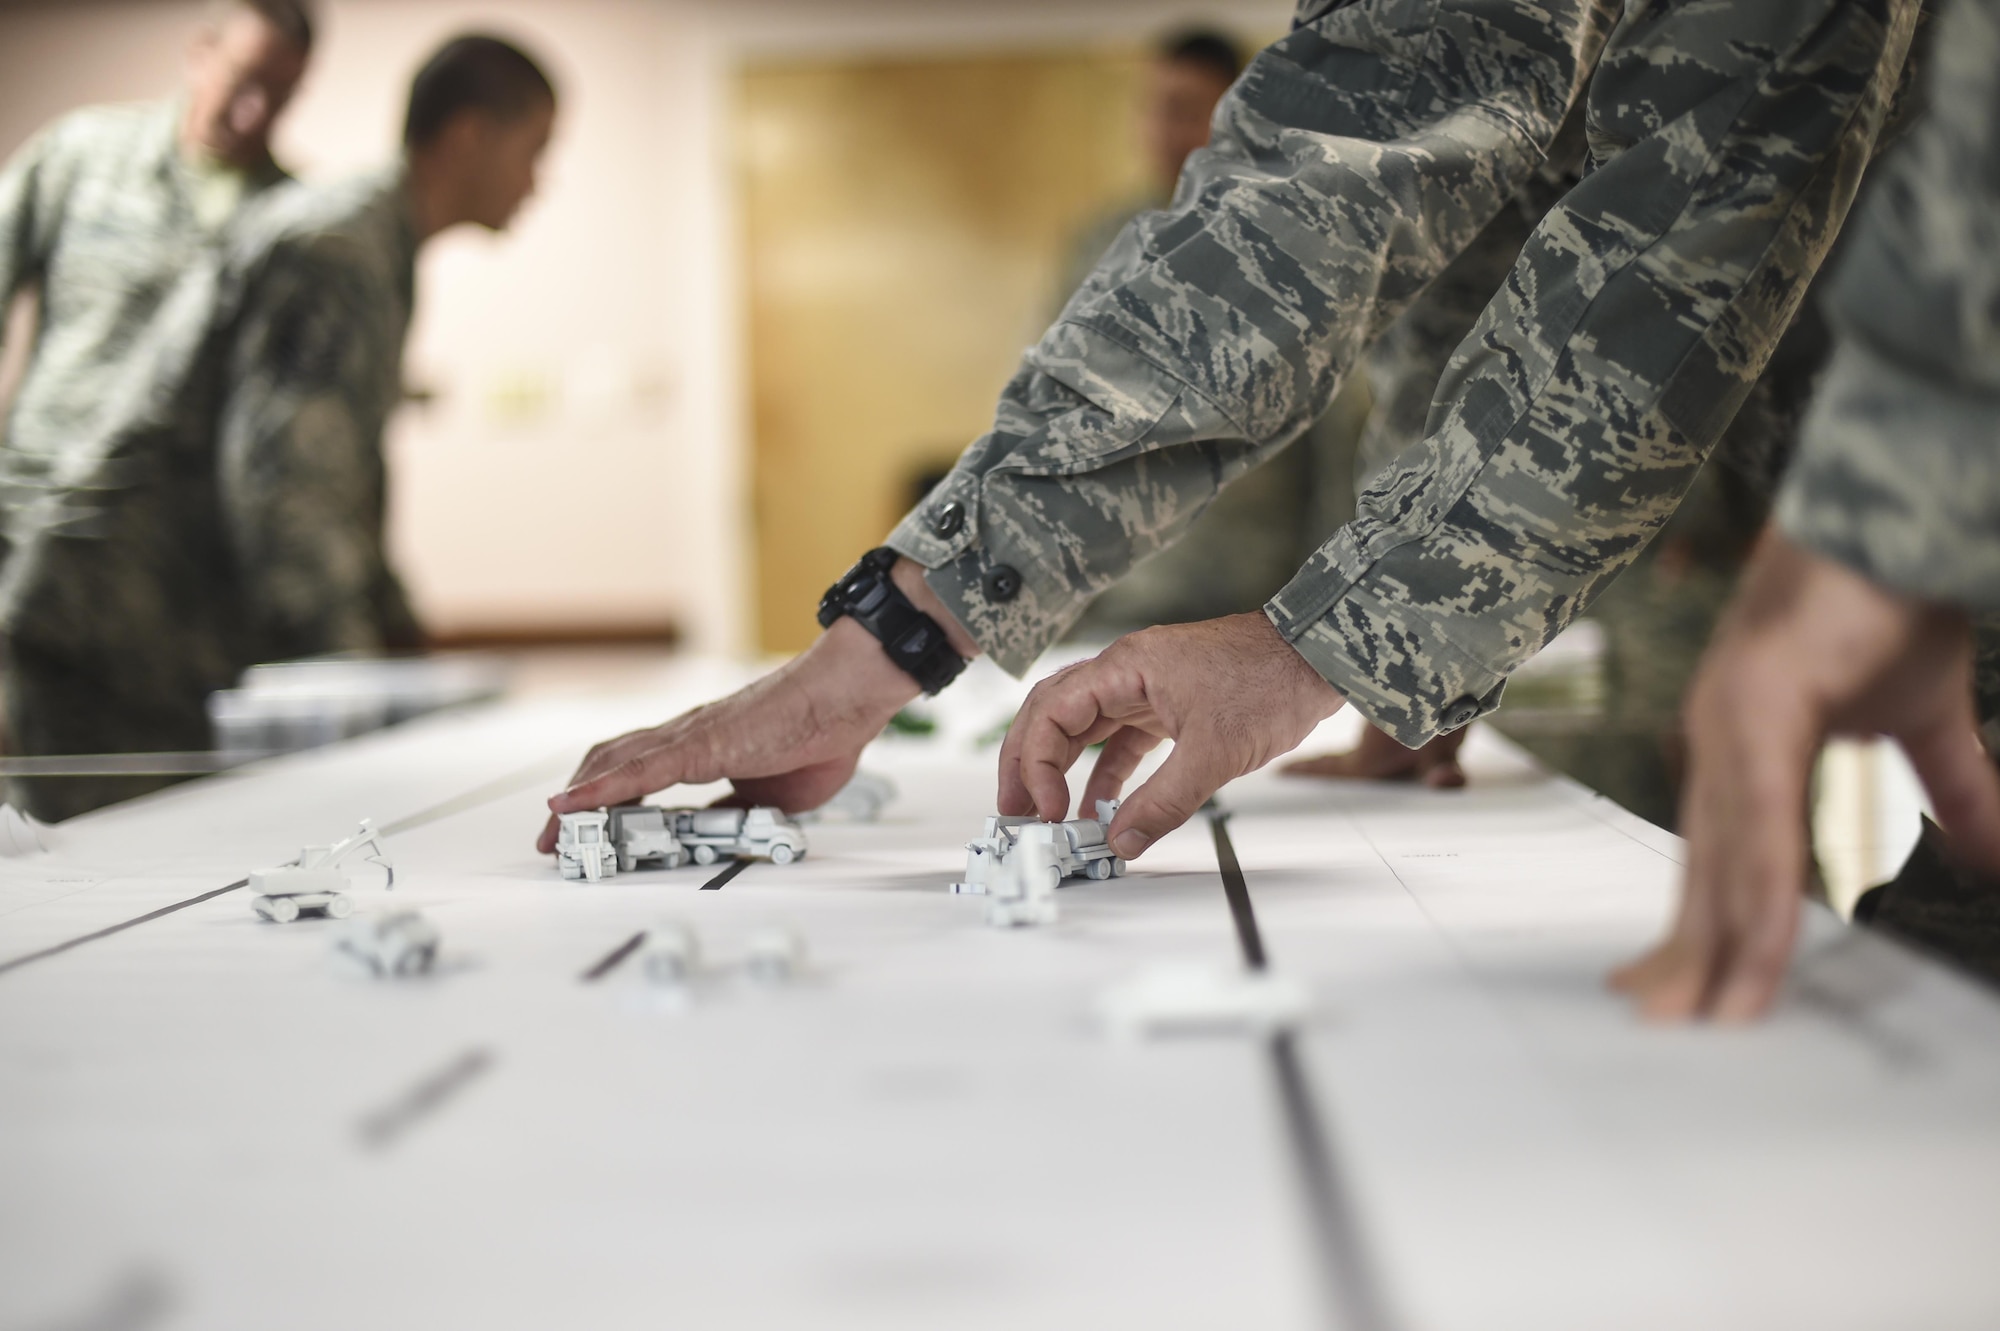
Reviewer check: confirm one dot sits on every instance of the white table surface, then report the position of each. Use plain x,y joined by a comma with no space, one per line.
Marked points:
932,1132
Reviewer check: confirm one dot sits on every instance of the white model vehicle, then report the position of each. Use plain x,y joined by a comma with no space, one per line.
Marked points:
761,833
315,882
1021,885
397,944
644,834
1078,849
583,845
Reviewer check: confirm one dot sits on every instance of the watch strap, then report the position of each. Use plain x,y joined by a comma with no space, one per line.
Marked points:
913,640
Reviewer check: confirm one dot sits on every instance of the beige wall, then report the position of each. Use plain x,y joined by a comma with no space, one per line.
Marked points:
584,463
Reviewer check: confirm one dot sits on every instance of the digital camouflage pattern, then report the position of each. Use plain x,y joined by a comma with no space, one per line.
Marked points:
226,507
1898,469
322,292
1356,158
103,215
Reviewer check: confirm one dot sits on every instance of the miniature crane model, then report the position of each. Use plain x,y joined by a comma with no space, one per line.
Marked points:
598,843
1018,863
315,881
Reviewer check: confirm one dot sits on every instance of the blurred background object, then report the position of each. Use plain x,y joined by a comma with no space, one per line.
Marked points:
842,214
293,705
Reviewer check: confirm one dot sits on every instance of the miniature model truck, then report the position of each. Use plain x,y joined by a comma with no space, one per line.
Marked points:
315,881
583,846
398,944
644,834
1020,862
1079,850
761,833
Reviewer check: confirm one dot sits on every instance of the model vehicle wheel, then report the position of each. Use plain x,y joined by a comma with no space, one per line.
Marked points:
1100,869
704,855
626,863
1117,868
783,854
283,909
339,908
1055,878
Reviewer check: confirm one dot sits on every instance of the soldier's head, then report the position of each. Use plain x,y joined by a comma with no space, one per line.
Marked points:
481,112
243,67
1191,70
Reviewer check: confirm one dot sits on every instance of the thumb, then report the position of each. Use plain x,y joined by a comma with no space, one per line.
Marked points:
1173,795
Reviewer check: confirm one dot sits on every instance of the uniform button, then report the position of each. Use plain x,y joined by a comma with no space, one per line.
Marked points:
949,521
1461,713
1002,583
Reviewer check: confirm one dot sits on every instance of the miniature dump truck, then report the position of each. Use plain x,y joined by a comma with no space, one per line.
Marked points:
315,882
761,833
583,846
644,834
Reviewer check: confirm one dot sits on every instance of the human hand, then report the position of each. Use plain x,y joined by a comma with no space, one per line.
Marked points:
1231,693
790,740
1379,758
1809,649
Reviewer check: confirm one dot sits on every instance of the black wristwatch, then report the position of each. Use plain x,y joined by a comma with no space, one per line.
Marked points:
912,638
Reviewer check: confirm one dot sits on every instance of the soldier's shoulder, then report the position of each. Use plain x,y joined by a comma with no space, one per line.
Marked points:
342,222
101,131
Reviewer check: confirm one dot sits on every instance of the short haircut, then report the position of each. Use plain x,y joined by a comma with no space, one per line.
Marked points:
1213,50
474,72
292,18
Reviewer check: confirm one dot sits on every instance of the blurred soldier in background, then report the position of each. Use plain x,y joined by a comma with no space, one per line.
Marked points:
326,286
100,218
227,507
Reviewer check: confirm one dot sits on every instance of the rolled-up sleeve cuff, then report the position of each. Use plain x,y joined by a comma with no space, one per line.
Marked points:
1898,478
1012,598
1389,661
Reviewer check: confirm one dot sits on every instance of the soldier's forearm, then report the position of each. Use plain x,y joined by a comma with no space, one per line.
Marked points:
1641,312
1354,159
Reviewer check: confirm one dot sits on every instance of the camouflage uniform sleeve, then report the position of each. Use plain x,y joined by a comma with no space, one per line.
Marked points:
29,206
1727,140
1351,162
1898,473
301,472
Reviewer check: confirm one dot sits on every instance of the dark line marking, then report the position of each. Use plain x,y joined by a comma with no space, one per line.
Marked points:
60,948
715,884
472,799
1353,1287
1238,893
381,1128
203,763
609,961
475,797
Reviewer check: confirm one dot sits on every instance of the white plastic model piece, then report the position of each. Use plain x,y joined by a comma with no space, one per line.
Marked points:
644,834
1195,999
400,943
670,956
761,833
861,800
583,845
1022,888
774,956
1022,861
316,881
